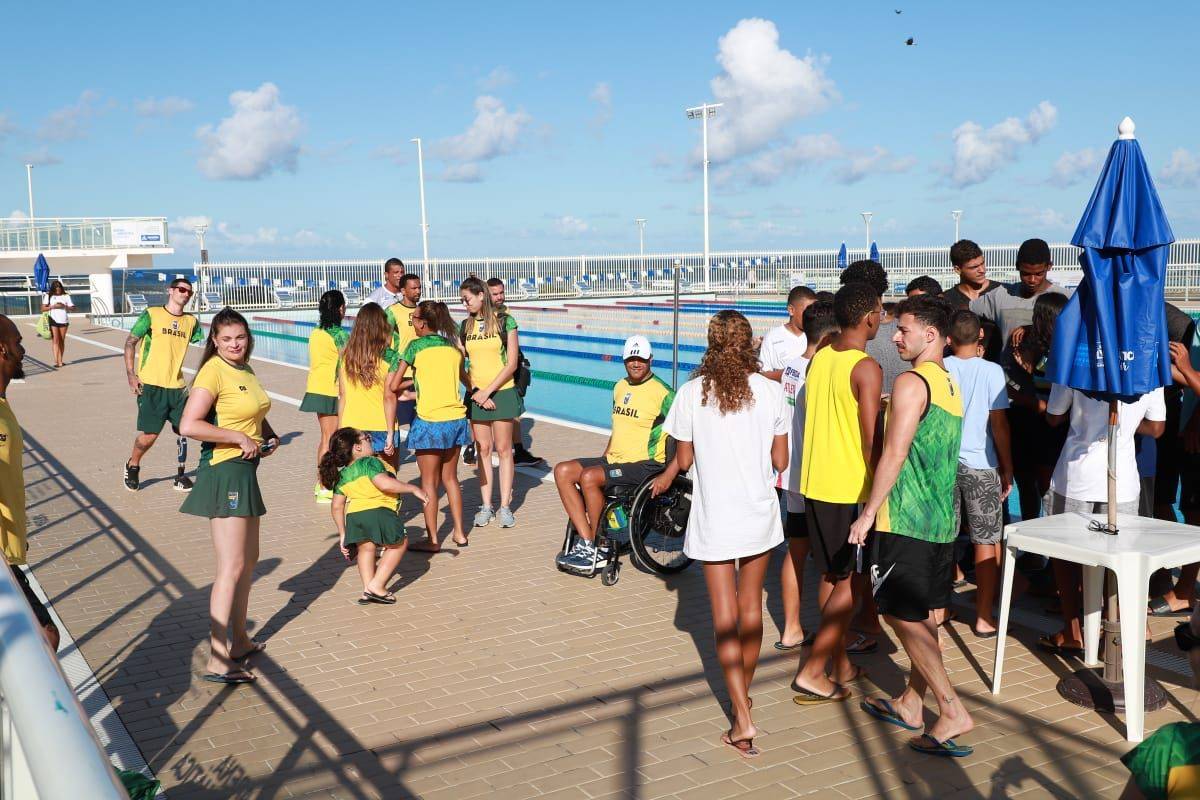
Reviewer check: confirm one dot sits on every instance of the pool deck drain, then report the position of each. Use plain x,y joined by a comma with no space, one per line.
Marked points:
494,675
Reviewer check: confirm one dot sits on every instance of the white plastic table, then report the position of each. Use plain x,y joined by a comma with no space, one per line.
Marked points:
1142,546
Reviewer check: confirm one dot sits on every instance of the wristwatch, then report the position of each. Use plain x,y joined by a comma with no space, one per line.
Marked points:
1185,639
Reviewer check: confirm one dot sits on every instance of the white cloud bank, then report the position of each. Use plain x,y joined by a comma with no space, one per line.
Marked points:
1073,167
261,136
494,132
1183,170
980,153
162,107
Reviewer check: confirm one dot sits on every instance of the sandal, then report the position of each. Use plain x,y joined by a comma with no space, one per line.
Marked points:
862,645
931,746
744,747
1049,644
881,709
807,697
370,597
257,647
1159,607
788,648
231,678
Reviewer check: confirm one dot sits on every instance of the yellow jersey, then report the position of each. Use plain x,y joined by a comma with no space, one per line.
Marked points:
436,365
324,349
401,317
356,485
834,469
12,486
239,404
164,344
638,413
362,406
487,355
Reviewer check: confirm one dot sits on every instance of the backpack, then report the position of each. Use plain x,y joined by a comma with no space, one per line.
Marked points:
523,376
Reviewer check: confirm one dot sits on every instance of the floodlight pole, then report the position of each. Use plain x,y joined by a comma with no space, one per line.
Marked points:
675,331
424,224
29,186
866,215
704,111
641,223
957,214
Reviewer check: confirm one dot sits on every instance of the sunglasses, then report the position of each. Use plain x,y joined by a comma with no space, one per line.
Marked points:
183,289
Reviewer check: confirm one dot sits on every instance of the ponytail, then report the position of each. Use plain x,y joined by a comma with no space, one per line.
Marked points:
341,453
437,318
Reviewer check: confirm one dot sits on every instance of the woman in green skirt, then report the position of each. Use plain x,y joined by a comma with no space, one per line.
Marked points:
227,412
489,337
321,393
365,510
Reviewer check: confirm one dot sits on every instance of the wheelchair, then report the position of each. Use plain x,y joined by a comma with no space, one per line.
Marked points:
649,529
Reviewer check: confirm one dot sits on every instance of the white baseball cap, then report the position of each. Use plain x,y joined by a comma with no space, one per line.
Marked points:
637,347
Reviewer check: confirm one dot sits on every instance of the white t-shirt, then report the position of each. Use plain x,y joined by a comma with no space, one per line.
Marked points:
1082,469
58,315
779,347
735,512
383,297
792,381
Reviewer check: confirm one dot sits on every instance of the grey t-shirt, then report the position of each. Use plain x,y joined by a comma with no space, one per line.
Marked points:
883,350
1008,309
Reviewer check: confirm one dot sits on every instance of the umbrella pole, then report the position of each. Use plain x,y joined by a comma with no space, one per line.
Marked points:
1106,691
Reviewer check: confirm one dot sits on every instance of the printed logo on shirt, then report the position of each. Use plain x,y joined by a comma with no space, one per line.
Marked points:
3,437
243,389
628,396
233,500
877,579
626,411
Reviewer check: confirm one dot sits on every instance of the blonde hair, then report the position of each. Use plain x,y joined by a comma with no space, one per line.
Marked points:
728,363
487,312
368,339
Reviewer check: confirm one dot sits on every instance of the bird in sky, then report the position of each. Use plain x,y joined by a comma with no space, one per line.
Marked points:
899,11
910,41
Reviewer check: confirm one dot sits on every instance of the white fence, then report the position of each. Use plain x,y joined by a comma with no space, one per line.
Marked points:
83,233
253,284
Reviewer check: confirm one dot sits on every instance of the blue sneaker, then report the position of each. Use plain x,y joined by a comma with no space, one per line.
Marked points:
505,515
483,516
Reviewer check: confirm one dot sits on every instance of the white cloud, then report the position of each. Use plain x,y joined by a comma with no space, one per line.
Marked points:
1072,167
493,132
308,238
979,153
777,162
71,122
601,97
162,107
462,173
7,126
764,88
875,161
17,215
498,78
354,241
259,137
1183,170
1045,218
260,236
42,157
570,226
186,226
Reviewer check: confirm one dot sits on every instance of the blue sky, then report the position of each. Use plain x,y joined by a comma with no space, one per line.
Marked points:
549,127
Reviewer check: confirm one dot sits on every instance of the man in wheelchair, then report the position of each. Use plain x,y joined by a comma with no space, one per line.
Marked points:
636,451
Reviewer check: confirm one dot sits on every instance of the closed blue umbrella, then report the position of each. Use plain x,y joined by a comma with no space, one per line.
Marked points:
874,256
41,274
1110,341
843,260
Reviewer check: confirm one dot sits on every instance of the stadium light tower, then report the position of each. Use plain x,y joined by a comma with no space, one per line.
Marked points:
957,214
702,112
866,215
641,223
200,230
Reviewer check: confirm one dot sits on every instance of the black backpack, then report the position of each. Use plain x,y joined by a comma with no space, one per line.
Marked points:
523,376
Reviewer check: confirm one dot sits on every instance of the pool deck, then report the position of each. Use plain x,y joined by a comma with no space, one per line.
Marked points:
494,675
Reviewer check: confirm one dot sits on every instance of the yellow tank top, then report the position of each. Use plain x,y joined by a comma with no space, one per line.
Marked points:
487,355
833,469
362,406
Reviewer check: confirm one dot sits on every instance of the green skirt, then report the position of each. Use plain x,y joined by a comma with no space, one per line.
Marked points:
509,405
319,403
229,489
379,525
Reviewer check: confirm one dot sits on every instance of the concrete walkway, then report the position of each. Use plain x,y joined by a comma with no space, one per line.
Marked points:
494,675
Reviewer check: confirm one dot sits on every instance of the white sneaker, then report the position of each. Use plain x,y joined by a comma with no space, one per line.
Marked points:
505,515
483,516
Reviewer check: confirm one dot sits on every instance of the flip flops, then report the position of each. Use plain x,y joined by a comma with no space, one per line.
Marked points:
382,599
862,645
744,747
1048,644
232,678
807,697
881,709
1159,607
789,648
257,648
932,747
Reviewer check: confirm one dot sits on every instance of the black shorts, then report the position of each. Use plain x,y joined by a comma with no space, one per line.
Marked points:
910,577
796,526
630,474
1168,461
829,534
54,324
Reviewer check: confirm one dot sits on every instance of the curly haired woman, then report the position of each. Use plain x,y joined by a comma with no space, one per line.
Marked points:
731,427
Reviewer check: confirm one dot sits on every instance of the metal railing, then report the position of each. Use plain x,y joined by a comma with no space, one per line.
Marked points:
48,748
251,284
83,233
